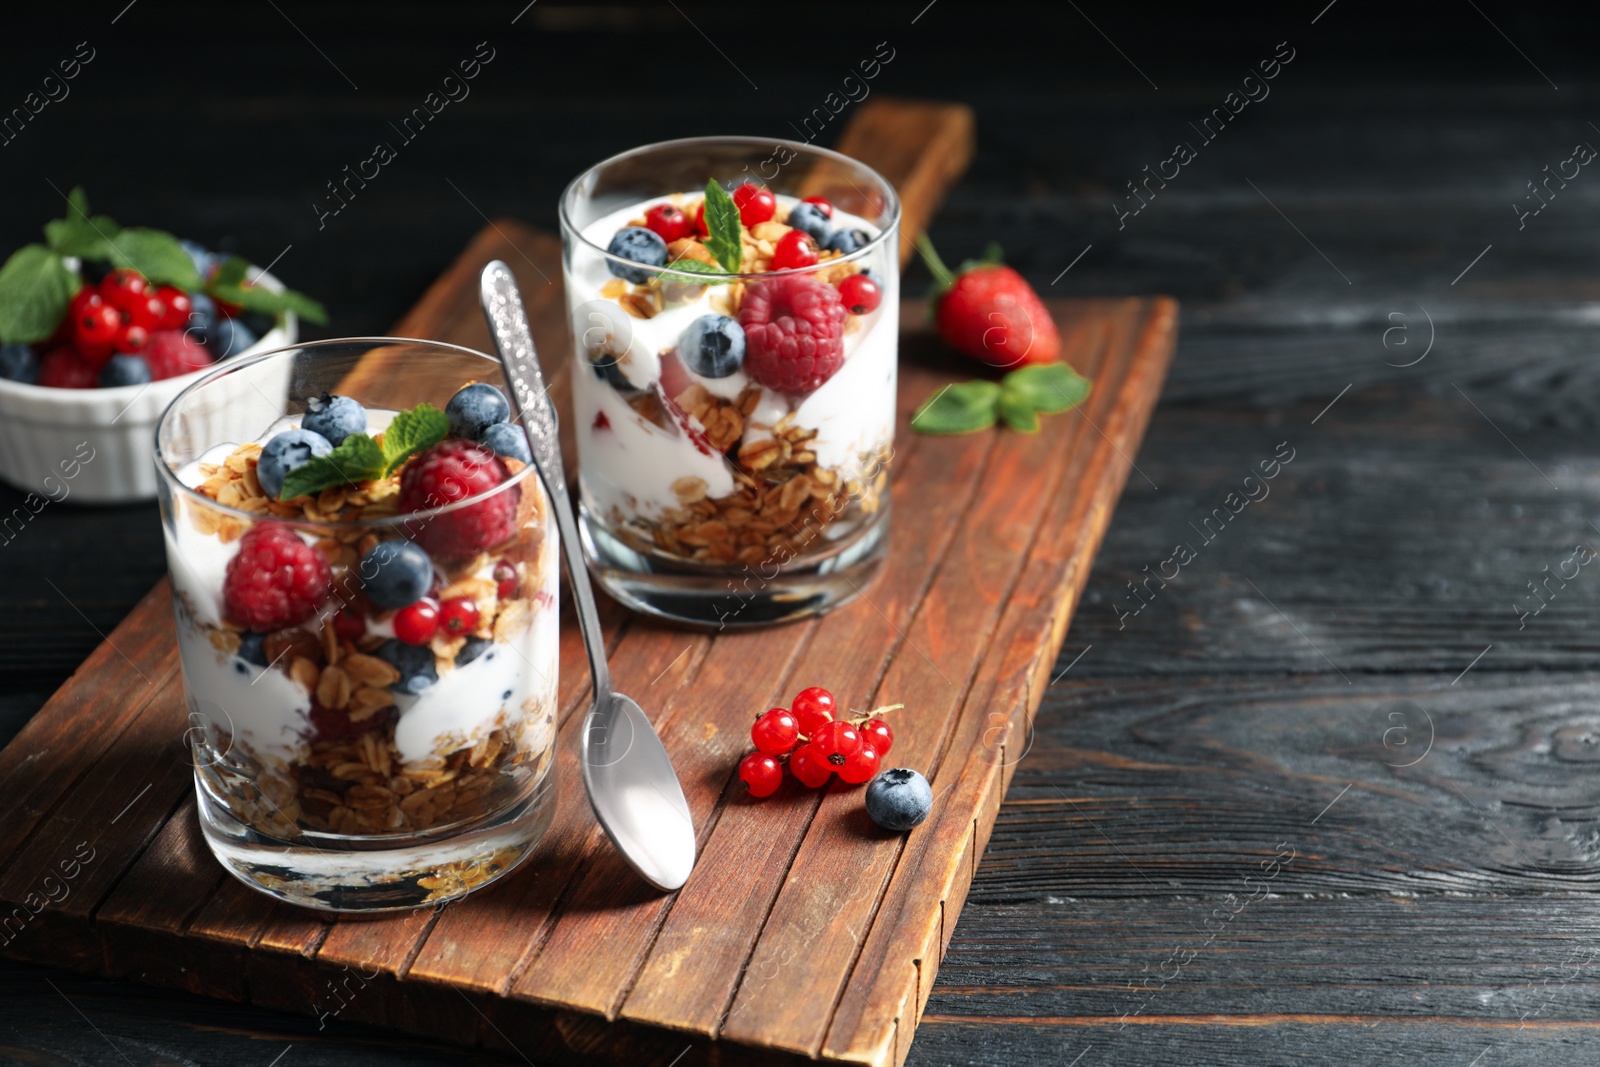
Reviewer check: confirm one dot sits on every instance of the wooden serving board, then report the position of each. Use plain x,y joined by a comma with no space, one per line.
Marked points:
804,933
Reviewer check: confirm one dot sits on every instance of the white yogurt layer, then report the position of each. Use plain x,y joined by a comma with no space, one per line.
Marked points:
631,464
268,711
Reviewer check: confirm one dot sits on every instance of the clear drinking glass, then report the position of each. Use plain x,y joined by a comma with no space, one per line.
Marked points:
338,766
717,489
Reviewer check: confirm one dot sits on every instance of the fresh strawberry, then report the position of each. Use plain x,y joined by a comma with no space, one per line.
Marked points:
990,312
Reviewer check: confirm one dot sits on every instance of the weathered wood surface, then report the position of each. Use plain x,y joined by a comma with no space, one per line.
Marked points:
1395,141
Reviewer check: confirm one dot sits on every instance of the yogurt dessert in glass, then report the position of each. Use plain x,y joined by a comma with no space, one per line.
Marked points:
364,579
734,308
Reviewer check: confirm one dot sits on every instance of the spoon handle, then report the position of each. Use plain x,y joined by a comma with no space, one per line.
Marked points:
508,325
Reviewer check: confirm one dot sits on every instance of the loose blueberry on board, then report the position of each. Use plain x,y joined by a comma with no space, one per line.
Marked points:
476,408
845,241
638,245
712,346
508,440
415,664
899,799
252,649
19,363
334,417
124,370
229,337
395,573
284,453
809,218
475,647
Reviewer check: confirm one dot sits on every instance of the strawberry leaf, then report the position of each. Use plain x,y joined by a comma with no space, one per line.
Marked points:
1018,413
723,229
1047,388
965,407
356,459
35,288
412,431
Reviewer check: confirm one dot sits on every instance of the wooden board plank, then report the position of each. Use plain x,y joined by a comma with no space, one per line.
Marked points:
978,554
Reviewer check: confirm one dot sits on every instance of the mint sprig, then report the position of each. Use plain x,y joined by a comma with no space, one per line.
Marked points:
359,458
35,288
723,229
1019,398
228,284
713,274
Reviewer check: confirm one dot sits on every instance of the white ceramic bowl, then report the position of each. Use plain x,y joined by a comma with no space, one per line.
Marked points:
96,446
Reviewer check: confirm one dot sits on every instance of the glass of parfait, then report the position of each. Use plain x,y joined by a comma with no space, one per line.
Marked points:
734,307
364,577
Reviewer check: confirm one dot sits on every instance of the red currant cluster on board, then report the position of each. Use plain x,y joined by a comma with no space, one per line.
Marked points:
814,744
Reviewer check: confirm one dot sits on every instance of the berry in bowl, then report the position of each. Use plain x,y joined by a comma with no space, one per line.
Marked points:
366,603
100,327
734,307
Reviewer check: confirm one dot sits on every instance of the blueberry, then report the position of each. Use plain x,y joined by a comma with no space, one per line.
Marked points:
395,573
639,245
475,647
229,337
19,362
506,439
899,799
124,370
204,259
259,322
608,368
334,417
846,241
414,662
476,408
203,314
712,346
284,453
252,649
809,218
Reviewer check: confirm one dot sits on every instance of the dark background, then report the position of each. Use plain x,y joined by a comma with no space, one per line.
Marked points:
1386,158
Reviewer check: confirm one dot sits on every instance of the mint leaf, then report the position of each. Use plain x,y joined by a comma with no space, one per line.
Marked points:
356,459
723,228
965,407
35,288
1048,387
1018,413
715,275
157,255
228,284
412,431
81,234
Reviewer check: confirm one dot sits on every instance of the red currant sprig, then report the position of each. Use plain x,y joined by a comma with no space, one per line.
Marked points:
814,744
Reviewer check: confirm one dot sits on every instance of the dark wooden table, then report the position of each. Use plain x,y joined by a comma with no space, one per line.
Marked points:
1328,796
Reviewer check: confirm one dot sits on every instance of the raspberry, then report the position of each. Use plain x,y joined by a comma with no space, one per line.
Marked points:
454,470
276,580
65,369
173,352
794,333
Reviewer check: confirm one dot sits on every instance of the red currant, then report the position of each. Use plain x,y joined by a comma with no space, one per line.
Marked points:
669,222
147,310
84,299
459,615
131,337
876,733
97,325
822,204
812,708
795,250
755,203
505,576
776,732
350,624
417,623
861,765
179,306
812,770
860,294
122,287
836,742
761,774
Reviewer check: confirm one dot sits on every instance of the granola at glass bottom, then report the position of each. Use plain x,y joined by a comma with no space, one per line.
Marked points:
343,650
